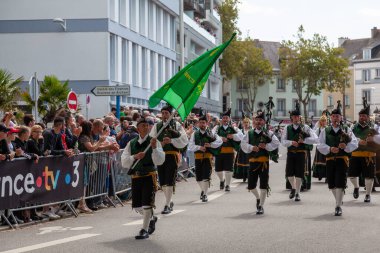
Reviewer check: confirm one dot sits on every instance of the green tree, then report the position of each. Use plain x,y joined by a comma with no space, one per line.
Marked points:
255,72
52,98
9,90
312,65
232,59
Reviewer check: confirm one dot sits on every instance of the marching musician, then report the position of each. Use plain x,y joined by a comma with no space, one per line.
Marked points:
363,159
172,139
144,175
336,142
205,144
224,161
258,142
296,137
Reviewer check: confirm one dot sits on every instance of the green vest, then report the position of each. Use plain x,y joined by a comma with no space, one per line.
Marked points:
333,140
255,139
145,165
362,133
200,139
167,147
294,135
230,143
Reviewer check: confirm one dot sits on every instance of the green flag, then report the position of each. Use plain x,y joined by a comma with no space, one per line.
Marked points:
183,90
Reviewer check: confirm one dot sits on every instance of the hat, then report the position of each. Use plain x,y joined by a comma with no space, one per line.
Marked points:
338,109
142,120
260,115
4,129
365,110
227,113
203,117
296,111
13,131
168,108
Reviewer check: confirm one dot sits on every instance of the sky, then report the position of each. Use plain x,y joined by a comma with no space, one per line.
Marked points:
278,20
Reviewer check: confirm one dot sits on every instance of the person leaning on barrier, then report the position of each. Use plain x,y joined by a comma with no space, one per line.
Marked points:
144,175
35,144
21,142
53,139
4,149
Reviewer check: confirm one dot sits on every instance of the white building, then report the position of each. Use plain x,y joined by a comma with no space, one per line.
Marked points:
97,43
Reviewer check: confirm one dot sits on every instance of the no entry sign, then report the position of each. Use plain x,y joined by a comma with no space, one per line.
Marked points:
72,101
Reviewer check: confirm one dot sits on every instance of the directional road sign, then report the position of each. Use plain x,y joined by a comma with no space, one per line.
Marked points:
123,90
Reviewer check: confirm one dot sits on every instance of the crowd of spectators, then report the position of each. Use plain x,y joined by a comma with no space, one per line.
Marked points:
69,135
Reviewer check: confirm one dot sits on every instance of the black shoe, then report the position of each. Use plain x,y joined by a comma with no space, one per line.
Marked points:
222,184
292,193
257,203
244,180
227,188
260,210
367,198
152,224
202,193
373,189
204,198
356,193
297,198
166,210
338,211
171,205
143,234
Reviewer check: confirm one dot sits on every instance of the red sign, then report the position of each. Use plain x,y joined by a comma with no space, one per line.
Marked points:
72,102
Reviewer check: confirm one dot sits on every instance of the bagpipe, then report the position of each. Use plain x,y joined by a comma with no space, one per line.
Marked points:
209,137
170,130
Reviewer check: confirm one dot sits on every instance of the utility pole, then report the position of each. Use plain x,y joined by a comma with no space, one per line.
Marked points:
181,36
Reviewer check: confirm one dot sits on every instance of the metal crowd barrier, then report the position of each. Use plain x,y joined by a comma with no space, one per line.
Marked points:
121,181
187,166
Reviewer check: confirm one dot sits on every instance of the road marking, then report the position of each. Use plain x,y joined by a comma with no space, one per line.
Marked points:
46,230
140,222
51,243
218,194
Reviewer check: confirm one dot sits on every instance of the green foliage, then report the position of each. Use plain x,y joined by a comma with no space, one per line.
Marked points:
255,71
312,65
53,95
9,90
233,55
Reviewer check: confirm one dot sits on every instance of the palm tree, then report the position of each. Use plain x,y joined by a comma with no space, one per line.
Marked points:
53,95
9,90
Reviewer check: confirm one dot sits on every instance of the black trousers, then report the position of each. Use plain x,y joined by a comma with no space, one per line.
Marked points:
143,191
258,170
167,172
295,164
336,173
362,166
203,169
224,162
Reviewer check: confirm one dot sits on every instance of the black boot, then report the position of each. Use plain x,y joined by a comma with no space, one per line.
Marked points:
356,193
152,225
292,193
202,193
257,203
222,184
204,198
297,197
143,234
260,210
338,211
166,210
367,198
227,189
171,205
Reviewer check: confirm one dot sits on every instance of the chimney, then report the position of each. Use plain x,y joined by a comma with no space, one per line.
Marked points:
374,32
341,40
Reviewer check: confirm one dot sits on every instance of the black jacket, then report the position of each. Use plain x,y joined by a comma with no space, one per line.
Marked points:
35,147
53,142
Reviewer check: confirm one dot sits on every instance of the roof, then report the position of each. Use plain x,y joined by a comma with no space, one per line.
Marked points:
270,50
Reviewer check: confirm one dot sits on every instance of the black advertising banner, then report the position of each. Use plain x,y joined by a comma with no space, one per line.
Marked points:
52,179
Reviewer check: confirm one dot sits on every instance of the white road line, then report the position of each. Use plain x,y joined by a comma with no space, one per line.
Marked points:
140,222
218,194
51,243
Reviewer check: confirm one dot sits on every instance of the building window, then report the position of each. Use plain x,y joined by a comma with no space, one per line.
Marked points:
124,59
113,56
312,107
151,21
366,54
123,12
281,106
330,101
367,95
366,75
144,67
242,105
132,15
280,84
377,73
241,85
142,17
346,100
134,64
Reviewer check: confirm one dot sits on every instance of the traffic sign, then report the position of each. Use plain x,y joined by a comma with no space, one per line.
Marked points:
72,101
123,90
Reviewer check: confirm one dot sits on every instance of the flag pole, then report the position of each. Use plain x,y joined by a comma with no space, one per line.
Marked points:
158,134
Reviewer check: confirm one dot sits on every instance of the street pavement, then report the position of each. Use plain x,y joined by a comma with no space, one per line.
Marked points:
227,223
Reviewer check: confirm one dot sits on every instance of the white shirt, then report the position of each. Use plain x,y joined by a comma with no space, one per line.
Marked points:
247,148
325,149
179,142
215,144
313,139
236,137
